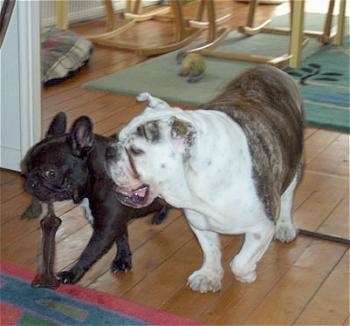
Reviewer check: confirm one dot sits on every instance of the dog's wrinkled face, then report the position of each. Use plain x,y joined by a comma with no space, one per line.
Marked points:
55,168
150,151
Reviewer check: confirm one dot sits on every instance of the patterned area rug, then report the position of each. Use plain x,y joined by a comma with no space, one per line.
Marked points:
158,76
324,82
70,305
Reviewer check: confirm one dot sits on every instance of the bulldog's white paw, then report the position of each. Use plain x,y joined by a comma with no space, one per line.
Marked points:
248,278
285,232
202,282
244,273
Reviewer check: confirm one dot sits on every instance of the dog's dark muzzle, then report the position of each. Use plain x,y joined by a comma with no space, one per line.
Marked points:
46,192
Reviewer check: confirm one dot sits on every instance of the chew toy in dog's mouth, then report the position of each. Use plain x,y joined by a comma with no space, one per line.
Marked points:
134,198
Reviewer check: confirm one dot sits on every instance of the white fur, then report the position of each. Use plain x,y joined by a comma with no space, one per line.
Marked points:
85,204
214,186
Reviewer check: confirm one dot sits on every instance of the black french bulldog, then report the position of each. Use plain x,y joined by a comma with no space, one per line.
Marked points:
71,165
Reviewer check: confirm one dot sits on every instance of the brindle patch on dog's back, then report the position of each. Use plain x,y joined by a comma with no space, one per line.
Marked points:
266,103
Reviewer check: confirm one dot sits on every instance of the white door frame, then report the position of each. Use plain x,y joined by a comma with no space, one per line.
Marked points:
30,82
28,88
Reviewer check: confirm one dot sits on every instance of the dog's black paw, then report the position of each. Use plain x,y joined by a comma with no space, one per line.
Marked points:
70,277
160,216
122,264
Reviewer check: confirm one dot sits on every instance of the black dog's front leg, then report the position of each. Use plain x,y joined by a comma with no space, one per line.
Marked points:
160,216
104,234
122,261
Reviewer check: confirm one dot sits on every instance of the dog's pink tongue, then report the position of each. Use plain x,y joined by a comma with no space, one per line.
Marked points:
124,192
141,192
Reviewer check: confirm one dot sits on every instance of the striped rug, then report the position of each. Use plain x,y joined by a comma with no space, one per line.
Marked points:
70,305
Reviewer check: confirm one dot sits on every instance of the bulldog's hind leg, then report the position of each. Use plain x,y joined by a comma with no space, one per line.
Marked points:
285,230
255,244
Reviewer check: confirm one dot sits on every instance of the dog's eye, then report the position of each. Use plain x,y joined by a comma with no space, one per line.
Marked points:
50,174
136,151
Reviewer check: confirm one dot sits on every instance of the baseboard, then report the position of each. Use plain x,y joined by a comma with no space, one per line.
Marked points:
10,158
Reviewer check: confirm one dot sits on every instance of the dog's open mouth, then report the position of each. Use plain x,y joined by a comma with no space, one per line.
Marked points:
134,198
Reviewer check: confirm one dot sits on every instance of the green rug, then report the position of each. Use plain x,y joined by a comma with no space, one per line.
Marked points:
158,76
324,82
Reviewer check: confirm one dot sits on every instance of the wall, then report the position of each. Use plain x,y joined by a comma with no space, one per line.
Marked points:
80,10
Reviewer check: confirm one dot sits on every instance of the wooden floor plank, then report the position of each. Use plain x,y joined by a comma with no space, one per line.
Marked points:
330,305
338,222
7,176
320,195
13,208
148,257
288,297
317,143
334,159
13,187
240,300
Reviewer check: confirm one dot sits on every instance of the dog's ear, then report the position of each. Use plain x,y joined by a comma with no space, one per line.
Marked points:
182,134
58,125
82,137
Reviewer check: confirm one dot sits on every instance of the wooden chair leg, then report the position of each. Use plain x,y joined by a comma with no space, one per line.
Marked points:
329,18
214,35
298,36
326,35
133,11
339,37
61,14
249,29
200,23
131,15
110,21
331,34
133,6
183,35
111,26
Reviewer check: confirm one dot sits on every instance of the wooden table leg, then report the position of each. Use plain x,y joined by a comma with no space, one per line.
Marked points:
296,34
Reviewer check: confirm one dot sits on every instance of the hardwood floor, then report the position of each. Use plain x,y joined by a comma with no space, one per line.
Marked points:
305,282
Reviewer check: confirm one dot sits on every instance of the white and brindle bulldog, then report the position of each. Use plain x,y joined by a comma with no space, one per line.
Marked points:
232,166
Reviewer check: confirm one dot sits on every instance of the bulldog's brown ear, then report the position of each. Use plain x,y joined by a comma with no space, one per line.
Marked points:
182,133
58,125
81,136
